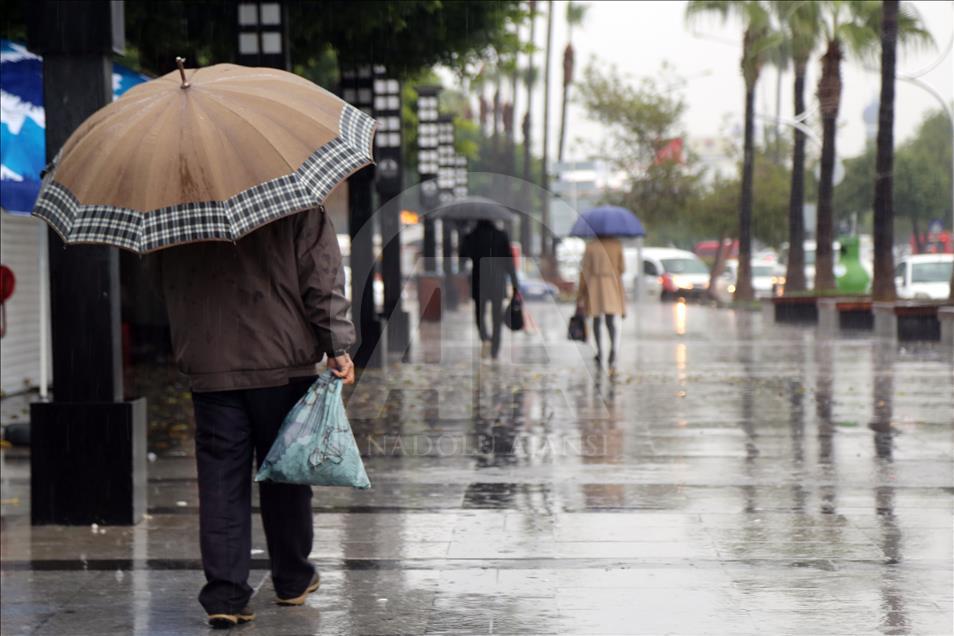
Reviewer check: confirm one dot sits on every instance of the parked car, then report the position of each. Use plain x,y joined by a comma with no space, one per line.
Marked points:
535,288
924,276
706,250
767,276
670,273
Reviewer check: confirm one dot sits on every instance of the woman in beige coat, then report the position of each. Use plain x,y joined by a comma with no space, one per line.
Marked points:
601,290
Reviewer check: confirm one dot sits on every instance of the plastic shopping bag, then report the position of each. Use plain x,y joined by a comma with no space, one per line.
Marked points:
315,445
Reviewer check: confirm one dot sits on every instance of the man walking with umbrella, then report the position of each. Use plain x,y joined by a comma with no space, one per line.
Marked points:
226,170
249,322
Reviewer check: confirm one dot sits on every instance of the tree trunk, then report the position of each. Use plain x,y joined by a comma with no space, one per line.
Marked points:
743,284
916,233
526,233
824,226
546,233
513,185
829,97
482,101
882,287
950,296
717,266
495,134
526,223
795,272
512,147
568,63
508,161
778,116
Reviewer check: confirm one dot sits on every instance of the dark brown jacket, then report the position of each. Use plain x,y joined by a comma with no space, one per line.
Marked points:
259,311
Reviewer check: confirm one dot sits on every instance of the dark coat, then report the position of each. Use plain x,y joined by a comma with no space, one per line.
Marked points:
257,312
489,250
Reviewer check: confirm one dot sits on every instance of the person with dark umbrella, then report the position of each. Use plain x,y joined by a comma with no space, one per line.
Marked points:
488,248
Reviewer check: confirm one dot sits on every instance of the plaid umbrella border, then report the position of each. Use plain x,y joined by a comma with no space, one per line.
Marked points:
226,220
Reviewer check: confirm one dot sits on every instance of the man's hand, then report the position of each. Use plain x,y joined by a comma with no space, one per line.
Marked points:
343,367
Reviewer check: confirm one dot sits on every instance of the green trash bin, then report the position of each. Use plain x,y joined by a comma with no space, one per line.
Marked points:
853,278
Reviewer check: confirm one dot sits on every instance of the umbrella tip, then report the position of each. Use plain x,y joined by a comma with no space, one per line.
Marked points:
180,62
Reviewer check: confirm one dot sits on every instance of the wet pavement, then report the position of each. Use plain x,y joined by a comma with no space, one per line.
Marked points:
733,477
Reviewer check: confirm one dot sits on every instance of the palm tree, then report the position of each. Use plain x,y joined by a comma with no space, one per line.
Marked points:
545,241
529,79
497,119
799,22
853,26
882,287
478,84
575,13
757,40
510,73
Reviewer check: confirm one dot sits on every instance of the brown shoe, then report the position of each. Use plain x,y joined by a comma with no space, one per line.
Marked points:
224,621
300,600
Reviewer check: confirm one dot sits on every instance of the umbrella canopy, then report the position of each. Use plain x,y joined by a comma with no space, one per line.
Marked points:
607,220
472,209
23,123
211,158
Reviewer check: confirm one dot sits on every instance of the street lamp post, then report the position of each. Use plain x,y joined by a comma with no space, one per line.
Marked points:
88,446
446,181
461,190
389,182
357,88
461,186
427,163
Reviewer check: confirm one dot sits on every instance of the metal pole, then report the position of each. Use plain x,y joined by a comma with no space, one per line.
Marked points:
42,260
639,269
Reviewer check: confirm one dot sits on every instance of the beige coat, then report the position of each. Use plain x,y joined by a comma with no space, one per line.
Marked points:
601,286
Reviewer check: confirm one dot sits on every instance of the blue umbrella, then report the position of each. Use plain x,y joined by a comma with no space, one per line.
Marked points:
607,220
23,122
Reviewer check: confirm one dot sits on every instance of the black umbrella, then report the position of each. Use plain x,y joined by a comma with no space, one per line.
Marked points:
472,209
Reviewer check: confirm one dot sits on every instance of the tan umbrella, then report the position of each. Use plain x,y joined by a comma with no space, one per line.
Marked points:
199,155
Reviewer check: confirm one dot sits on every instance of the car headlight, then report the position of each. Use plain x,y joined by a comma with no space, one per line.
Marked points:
681,283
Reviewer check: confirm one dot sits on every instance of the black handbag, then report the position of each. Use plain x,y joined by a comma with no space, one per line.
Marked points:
513,317
577,328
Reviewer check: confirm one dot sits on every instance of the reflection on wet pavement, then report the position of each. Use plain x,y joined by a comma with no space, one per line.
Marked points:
731,477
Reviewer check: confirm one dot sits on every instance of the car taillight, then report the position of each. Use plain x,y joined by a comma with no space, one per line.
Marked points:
667,284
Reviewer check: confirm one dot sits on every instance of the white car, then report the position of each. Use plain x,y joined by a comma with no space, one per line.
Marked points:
669,273
767,275
924,276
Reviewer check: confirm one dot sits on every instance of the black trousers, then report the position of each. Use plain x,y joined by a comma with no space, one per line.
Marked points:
496,318
230,425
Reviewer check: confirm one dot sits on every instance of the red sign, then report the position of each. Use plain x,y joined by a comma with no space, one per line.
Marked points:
8,283
671,152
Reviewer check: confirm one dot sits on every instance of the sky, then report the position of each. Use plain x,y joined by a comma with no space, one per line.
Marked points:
637,37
